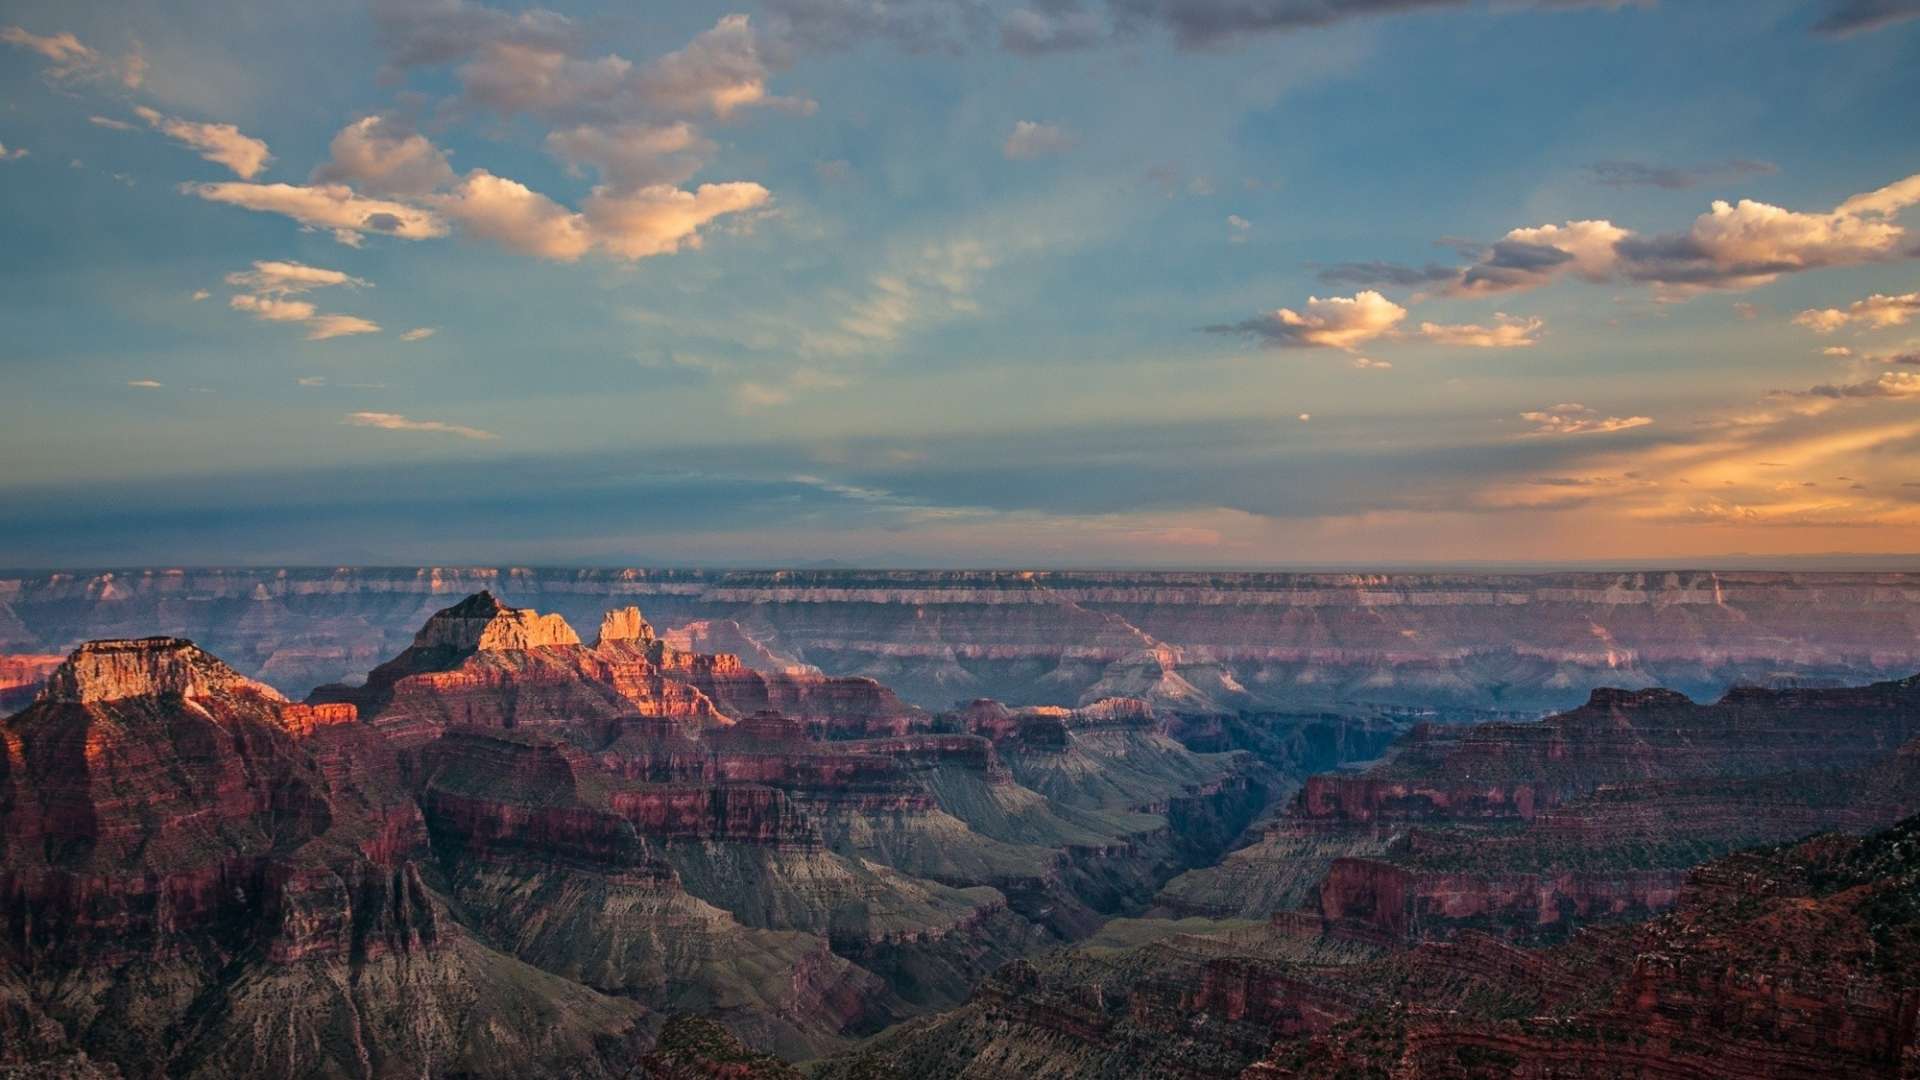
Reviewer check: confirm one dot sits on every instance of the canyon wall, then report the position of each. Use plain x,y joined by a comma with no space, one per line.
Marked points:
1193,642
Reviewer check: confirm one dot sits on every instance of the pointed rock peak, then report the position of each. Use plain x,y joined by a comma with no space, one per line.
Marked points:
145,667
625,624
483,623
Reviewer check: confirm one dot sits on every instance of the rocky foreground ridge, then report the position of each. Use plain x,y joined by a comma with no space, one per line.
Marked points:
512,853
1187,642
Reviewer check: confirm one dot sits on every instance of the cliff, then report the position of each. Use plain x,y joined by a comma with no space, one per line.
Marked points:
1188,642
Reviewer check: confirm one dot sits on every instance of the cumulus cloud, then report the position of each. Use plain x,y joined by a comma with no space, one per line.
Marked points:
1335,322
1031,139
382,155
387,421
222,144
718,72
1878,311
328,206
654,220
1672,177
1573,418
419,333
1507,332
1530,257
276,278
1734,245
68,58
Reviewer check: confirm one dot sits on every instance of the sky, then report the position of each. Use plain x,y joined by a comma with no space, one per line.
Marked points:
1155,283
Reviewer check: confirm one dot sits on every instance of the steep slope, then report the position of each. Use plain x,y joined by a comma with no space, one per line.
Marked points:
201,879
1535,827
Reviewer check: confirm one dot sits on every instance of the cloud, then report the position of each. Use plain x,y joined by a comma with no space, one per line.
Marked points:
516,217
1861,16
144,384
1031,140
199,295
1507,332
222,144
1240,226
1643,174
1734,245
273,283
68,58
1836,350
1572,418
633,155
1032,32
110,123
1367,364
917,26
1387,273
1335,322
655,220
1530,257
718,72
418,333
1878,311
12,155
275,278
380,154
1206,23
1889,384
325,327
327,206
395,422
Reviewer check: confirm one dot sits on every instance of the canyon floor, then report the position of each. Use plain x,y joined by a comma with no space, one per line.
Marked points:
1302,826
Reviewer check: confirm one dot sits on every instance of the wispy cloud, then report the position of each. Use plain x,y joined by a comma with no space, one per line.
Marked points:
222,144
1573,418
69,58
1031,139
396,422
418,333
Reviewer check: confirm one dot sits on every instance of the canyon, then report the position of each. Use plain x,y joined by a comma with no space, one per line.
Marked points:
1454,643
502,847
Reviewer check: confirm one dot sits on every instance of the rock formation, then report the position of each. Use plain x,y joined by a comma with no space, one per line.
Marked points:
1188,642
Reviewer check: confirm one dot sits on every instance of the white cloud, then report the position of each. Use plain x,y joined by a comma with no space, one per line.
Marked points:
1507,332
396,422
328,206
199,295
1573,418
1878,312
1031,139
276,278
516,217
110,123
144,384
378,154
1368,364
11,155
419,333
272,283
222,144
1336,322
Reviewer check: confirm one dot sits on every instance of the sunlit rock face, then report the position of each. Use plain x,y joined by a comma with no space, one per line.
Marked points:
1185,642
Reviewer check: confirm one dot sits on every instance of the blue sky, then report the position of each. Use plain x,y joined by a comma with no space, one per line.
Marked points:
1141,282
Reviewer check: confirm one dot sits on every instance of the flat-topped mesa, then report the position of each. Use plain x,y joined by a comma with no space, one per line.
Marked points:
624,624
481,623
114,670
